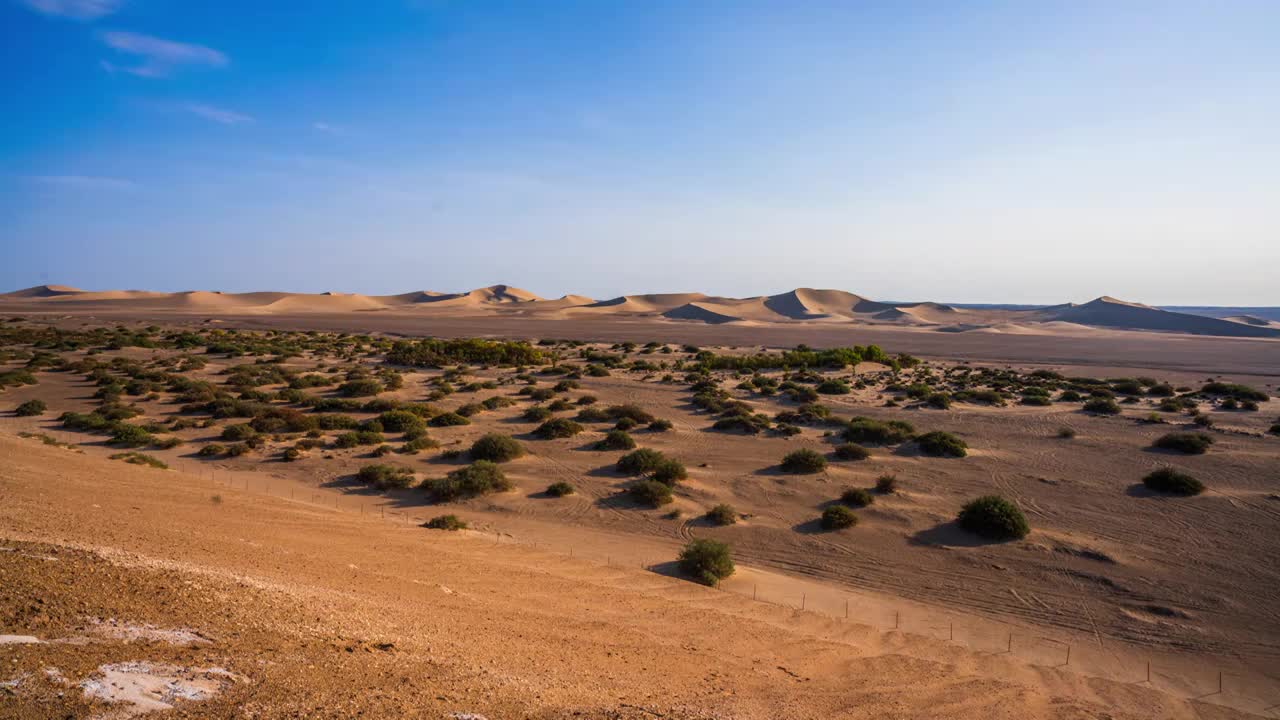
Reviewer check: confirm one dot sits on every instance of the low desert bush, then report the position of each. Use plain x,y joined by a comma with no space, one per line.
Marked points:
994,518
660,425
803,460
707,561
856,498
634,412
624,424
130,435
558,428
238,433
445,522
137,458
1066,433
449,419
887,484
1174,482
1102,406
479,478
615,440
386,477
651,492
1184,442
669,471
417,445
866,431
559,489
640,462
833,387
942,444
496,447
364,387
212,450
31,408
851,451
838,517
722,514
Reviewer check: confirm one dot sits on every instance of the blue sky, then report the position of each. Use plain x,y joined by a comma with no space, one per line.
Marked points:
979,152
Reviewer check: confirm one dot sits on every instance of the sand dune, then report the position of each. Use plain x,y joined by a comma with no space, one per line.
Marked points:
1109,312
799,306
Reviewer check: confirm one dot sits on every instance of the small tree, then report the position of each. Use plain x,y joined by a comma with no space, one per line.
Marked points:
708,561
995,518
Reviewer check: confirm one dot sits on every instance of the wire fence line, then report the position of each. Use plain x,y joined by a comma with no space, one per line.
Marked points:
1257,693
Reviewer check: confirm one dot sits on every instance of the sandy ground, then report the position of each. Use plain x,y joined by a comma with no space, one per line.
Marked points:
267,607
1119,576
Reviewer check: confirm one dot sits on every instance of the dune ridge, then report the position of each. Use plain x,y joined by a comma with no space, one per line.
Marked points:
801,305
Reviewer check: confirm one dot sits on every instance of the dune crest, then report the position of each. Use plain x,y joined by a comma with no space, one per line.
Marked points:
799,306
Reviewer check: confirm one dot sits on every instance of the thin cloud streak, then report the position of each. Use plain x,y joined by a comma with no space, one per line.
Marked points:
84,182
82,10
217,114
159,56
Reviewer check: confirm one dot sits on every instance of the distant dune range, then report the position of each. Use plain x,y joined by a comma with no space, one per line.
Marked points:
799,306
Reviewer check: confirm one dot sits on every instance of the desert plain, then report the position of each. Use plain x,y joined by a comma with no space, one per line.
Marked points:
190,526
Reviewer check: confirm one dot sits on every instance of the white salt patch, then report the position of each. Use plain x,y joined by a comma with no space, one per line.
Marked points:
19,640
145,687
130,632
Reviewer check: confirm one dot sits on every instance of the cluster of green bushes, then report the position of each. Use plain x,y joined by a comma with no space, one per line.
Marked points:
708,561
137,458
479,478
438,353
866,431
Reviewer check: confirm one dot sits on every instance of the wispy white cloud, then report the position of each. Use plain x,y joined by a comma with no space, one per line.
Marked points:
83,182
328,128
217,114
74,9
159,57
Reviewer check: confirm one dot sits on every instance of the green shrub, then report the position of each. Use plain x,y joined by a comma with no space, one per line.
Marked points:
994,518
167,443
669,471
212,450
386,477
449,419
238,433
31,408
651,492
633,412
558,428
660,425
137,458
942,444
1184,442
418,444
1037,400
1102,406
615,440
445,522
722,514
536,413
1066,433
363,387
624,424
559,489
707,561
887,484
866,431
130,435
1168,480
838,517
851,451
833,387
639,462
803,460
1239,392
291,454
479,478
401,421
856,497
497,448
